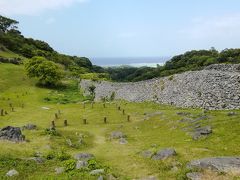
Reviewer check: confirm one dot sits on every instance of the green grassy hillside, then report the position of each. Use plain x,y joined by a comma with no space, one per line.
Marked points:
152,131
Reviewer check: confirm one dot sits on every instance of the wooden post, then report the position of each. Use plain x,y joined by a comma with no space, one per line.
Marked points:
65,123
53,124
104,105
128,118
2,112
56,116
105,120
123,111
12,109
119,108
84,121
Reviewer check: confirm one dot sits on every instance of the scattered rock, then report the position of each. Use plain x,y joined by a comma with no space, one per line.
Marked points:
12,172
117,135
232,114
111,177
147,154
100,178
123,141
38,160
194,176
183,113
69,142
185,119
12,134
200,118
149,178
29,127
83,156
202,132
164,154
97,171
81,164
59,170
229,165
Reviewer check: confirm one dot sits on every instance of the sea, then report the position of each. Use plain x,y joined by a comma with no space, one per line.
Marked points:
129,61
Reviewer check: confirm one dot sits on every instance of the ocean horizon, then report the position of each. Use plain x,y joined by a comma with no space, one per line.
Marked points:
129,61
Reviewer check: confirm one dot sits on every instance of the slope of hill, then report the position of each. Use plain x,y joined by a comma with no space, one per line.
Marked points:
152,127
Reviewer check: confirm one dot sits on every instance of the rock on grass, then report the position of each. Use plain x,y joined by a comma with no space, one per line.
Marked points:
164,154
229,165
83,156
12,172
12,134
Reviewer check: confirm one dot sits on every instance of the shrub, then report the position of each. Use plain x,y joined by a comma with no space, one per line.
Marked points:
69,165
47,72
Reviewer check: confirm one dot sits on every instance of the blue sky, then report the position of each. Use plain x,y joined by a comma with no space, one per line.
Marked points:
128,28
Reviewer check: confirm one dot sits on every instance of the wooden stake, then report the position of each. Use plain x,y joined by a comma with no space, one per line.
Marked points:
53,124
128,118
12,109
2,112
104,105
65,123
84,121
56,116
119,108
105,120
123,111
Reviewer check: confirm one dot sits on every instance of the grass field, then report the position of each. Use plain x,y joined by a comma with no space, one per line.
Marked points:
158,131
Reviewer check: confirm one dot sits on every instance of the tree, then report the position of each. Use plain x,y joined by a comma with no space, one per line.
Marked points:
7,24
47,72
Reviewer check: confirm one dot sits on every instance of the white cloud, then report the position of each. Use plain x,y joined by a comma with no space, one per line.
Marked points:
223,27
33,7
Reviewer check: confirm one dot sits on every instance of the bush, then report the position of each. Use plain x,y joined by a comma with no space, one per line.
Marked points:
69,165
48,73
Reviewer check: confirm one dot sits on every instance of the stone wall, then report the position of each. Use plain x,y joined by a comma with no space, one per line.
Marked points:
215,87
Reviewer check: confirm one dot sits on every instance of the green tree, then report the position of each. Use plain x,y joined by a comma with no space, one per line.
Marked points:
7,24
47,72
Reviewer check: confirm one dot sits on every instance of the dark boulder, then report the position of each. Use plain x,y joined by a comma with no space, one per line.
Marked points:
83,156
29,127
164,154
202,132
220,164
12,134
117,135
